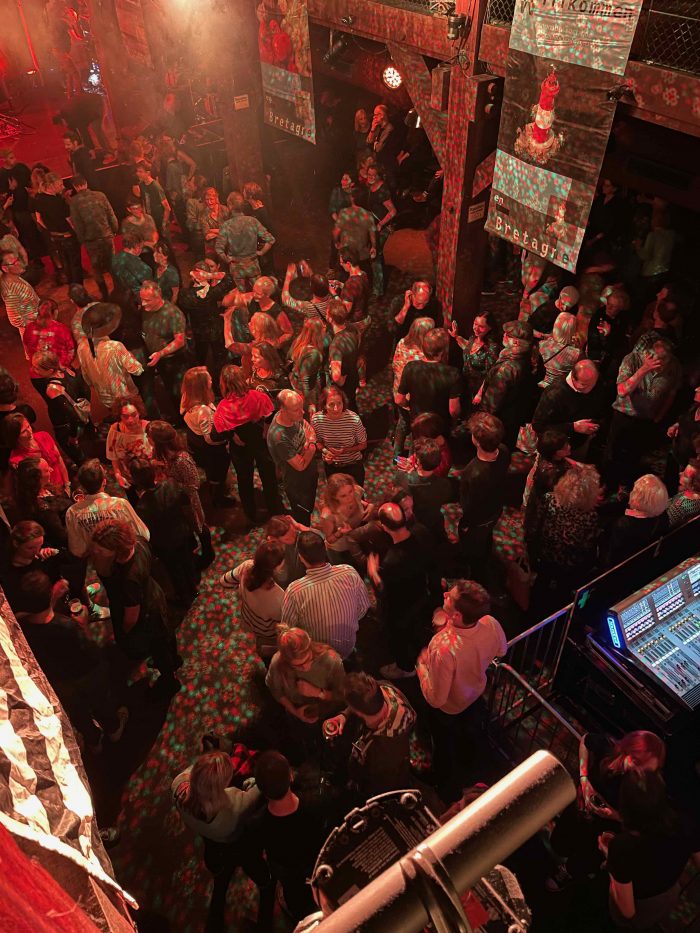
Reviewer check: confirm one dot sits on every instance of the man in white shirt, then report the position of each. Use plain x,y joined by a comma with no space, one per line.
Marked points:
452,674
86,514
329,601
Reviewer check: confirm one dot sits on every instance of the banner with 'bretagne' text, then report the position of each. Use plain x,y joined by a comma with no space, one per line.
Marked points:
565,57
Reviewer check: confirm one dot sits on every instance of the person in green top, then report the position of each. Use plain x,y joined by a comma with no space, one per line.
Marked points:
164,335
153,197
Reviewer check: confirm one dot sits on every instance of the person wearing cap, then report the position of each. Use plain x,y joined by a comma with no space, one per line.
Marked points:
543,318
508,387
106,364
381,719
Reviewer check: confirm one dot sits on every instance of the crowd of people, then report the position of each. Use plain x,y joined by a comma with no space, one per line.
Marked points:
529,450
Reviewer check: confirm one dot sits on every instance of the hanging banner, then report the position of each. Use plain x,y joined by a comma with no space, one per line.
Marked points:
564,58
131,25
285,61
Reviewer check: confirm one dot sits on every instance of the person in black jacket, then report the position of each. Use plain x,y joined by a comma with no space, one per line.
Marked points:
77,669
573,405
201,305
165,509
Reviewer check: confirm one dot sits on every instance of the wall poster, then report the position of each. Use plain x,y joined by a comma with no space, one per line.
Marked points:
564,58
285,60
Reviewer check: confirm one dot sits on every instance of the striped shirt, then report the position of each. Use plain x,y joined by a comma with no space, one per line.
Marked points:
339,433
261,609
328,603
21,301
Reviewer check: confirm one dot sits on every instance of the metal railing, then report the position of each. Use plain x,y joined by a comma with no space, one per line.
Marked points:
668,33
521,720
536,652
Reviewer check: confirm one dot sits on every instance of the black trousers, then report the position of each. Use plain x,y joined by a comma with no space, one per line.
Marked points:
476,542
301,492
88,701
222,860
356,470
245,459
455,743
183,570
68,251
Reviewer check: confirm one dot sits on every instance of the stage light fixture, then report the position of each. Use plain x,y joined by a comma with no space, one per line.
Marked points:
392,77
456,26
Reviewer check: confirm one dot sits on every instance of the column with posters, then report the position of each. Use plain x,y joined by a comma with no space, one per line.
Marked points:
564,58
285,60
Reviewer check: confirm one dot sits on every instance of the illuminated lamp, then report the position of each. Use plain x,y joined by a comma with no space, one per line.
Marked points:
392,77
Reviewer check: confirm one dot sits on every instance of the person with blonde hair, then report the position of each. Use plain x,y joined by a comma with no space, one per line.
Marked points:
644,521
561,351
260,300
343,510
564,539
219,813
307,354
305,676
197,409
409,348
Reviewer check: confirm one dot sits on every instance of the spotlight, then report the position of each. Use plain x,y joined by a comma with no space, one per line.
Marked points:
392,77
456,25
336,48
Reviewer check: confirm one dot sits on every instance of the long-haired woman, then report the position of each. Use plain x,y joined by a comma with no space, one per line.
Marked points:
197,408
565,541
408,349
603,763
170,448
646,859
261,595
561,351
240,418
267,372
219,813
39,501
307,354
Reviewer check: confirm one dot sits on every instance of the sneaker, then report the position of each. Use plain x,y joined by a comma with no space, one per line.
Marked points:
558,881
98,613
123,716
394,672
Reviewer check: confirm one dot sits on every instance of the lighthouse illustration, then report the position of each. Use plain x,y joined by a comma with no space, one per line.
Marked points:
538,142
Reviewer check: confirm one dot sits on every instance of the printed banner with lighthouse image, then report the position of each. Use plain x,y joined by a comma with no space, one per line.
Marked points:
564,58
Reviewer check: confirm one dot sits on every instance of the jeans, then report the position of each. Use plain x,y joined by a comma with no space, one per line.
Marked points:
245,459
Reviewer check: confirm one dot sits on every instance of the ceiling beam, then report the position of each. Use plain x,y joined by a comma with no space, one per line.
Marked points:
423,33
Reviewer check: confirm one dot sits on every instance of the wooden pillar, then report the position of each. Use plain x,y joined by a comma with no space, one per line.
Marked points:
472,132
240,94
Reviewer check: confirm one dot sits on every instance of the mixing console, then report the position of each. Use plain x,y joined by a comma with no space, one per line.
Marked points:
659,626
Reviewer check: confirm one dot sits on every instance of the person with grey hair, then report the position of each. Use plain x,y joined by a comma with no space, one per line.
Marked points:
542,319
292,444
644,521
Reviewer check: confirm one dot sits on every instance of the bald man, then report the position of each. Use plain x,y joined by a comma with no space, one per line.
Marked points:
292,444
574,405
418,301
